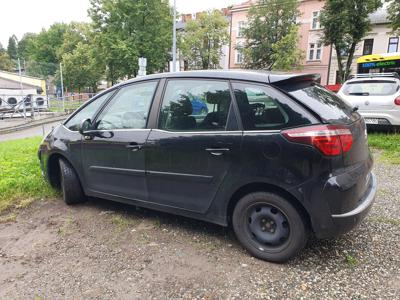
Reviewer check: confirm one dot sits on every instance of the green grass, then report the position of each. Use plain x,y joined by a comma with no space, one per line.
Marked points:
389,143
21,181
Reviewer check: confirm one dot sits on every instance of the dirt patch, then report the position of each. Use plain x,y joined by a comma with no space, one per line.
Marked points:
112,251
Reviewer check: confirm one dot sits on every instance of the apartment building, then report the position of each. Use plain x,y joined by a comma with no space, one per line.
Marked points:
316,56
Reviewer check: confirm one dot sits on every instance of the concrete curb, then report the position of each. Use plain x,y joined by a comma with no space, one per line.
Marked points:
32,124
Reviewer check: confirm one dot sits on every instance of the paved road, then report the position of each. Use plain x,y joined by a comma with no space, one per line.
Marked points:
30,132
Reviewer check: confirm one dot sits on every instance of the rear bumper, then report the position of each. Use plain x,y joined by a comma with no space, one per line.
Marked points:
391,115
342,223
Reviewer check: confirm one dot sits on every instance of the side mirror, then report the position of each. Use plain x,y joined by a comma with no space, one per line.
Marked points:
85,126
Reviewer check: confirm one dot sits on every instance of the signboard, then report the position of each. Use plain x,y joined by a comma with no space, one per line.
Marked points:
390,64
142,66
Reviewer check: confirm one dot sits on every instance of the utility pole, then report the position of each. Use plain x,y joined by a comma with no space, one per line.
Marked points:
62,87
174,40
21,87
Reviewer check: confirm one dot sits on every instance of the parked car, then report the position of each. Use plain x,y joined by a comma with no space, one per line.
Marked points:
278,157
377,97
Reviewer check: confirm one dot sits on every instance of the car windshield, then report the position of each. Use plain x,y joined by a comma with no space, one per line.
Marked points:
371,88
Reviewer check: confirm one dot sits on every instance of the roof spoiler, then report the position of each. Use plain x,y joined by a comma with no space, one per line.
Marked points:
284,79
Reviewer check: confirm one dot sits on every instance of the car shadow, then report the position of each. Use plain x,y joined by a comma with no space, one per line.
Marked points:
320,252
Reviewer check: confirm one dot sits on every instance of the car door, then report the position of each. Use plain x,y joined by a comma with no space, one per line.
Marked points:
189,154
113,162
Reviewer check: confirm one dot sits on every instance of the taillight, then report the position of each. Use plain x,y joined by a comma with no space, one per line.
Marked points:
397,100
331,140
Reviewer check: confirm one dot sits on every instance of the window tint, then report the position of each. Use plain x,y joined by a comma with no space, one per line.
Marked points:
129,108
325,103
262,108
87,112
195,105
371,88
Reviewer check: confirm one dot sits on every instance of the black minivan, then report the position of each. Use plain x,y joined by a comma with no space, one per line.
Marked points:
276,156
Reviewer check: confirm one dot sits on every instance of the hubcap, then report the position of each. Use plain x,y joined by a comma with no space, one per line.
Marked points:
268,225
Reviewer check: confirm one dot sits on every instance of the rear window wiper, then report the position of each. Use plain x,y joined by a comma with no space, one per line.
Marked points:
359,94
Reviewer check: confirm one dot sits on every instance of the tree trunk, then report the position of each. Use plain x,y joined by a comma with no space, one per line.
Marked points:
349,60
340,65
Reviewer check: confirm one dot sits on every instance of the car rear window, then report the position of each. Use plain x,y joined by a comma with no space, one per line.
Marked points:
370,88
326,104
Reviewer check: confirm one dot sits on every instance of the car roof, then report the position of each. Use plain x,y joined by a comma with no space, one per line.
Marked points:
256,76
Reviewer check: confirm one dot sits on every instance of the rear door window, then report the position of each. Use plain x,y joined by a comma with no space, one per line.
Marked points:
195,105
264,108
326,104
371,88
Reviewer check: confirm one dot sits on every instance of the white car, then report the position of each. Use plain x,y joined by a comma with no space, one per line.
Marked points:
377,97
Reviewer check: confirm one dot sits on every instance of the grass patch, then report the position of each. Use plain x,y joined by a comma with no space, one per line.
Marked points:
351,260
121,222
21,181
8,219
389,143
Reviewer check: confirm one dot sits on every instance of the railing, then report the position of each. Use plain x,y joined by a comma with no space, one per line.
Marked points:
29,105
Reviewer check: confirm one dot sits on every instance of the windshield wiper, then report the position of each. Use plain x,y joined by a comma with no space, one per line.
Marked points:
359,94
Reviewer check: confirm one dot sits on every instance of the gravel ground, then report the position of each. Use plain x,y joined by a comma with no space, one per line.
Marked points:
112,251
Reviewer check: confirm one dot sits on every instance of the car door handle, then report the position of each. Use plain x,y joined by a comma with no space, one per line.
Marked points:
134,146
217,151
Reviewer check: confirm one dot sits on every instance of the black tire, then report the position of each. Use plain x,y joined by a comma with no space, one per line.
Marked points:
269,227
70,184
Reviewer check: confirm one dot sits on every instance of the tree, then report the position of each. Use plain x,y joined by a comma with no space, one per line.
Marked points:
43,54
12,48
286,54
75,33
82,69
126,30
394,15
5,62
345,23
268,23
26,44
201,42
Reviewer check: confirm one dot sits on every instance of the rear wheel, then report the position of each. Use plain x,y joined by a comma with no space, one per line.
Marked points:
70,184
269,226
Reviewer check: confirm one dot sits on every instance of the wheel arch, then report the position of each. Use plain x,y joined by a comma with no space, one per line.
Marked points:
266,187
53,169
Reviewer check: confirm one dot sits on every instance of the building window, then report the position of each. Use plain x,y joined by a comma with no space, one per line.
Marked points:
393,44
241,27
315,51
368,46
315,20
239,54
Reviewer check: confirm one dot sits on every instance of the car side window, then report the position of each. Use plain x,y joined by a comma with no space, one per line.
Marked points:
87,112
263,108
195,105
129,109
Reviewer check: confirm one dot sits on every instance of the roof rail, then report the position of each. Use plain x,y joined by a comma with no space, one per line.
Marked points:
370,75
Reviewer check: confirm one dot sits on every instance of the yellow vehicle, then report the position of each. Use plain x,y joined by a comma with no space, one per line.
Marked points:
379,63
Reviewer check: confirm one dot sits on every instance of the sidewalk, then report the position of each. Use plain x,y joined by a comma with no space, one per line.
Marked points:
9,125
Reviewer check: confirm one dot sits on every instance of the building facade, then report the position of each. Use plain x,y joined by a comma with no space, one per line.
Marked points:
316,56
379,40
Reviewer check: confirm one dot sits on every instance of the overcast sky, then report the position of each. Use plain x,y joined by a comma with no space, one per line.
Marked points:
20,16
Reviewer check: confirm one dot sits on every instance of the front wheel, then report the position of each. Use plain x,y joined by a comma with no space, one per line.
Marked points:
70,184
269,226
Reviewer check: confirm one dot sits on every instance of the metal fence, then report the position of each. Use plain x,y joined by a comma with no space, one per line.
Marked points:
25,106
